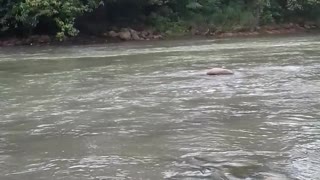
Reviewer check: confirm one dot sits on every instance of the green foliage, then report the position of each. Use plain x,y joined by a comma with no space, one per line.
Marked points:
164,15
27,13
165,24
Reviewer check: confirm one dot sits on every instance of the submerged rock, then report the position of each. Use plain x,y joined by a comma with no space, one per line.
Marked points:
219,71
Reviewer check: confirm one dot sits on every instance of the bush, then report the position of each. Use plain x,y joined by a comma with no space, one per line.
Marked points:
25,14
165,24
28,16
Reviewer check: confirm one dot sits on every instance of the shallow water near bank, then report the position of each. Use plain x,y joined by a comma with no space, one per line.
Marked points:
148,111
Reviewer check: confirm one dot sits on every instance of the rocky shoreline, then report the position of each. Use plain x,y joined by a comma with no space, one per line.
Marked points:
128,34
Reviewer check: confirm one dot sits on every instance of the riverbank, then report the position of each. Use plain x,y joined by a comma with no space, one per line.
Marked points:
128,34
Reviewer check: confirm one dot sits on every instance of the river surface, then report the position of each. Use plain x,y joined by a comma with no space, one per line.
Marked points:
148,111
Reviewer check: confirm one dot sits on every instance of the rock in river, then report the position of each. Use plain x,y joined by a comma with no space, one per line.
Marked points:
125,35
219,71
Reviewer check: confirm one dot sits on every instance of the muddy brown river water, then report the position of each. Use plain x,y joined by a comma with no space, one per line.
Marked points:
148,111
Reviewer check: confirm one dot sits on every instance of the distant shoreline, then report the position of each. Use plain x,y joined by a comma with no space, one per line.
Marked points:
39,40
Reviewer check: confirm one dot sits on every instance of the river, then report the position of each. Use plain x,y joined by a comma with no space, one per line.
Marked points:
148,111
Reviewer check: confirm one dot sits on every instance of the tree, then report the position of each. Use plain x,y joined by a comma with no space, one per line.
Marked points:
26,14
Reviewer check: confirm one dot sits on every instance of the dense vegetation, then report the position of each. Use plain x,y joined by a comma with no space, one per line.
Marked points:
25,17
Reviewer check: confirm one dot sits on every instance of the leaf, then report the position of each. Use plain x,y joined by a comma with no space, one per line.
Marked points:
194,5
